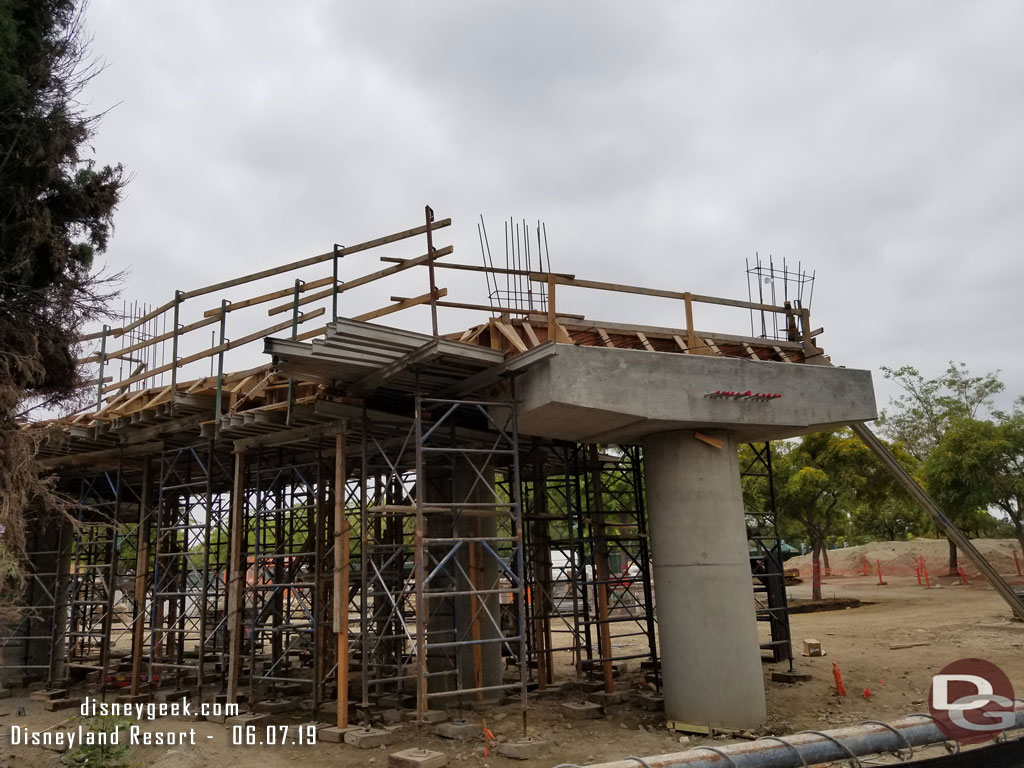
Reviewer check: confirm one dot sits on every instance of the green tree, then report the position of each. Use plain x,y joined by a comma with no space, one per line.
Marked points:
56,209
919,418
979,464
817,482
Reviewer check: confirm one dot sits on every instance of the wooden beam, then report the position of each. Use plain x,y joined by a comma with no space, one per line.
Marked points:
301,263
477,268
302,434
415,301
281,294
605,338
714,442
531,335
643,340
216,350
511,335
552,319
363,280
540,277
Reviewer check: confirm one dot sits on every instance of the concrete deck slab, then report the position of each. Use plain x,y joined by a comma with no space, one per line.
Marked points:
600,394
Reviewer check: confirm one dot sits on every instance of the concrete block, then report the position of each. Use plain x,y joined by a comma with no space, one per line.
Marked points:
523,749
55,705
812,647
582,710
5,693
392,716
417,758
790,677
222,698
589,686
370,738
461,730
220,719
273,705
334,734
56,693
604,698
249,718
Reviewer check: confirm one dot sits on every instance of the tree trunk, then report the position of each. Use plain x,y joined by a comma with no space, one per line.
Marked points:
824,557
952,558
816,571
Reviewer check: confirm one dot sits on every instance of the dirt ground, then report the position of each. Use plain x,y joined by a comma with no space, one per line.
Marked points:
955,621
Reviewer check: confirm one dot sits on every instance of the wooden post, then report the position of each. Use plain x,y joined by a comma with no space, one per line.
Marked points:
236,576
805,331
475,608
141,577
552,317
342,558
691,334
604,630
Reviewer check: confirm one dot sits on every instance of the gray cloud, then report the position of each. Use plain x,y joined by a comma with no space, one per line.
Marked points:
662,144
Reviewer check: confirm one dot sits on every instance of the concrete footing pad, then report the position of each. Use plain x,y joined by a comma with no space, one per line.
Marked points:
524,749
334,734
582,710
463,730
417,758
370,738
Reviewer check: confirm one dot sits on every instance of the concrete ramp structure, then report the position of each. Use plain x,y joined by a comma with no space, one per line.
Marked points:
494,496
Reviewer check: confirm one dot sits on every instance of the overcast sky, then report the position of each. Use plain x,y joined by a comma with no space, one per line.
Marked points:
878,144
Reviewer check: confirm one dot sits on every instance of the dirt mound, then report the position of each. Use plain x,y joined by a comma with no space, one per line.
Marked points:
897,558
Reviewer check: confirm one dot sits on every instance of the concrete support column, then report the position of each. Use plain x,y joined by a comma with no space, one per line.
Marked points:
710,657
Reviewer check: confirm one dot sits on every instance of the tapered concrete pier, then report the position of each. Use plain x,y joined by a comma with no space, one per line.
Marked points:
710,658
710,654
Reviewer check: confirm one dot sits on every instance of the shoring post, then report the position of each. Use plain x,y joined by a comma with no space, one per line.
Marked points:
174,343
318,530
601,574
220,365
430,268
103,362
334,292
420,565
295,334
342,558
516,499
236,577
141,575
204,597
475,568
364,587
541,571
113,559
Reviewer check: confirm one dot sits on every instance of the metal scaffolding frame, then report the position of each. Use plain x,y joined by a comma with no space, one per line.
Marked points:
766,559
35,645
184,633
